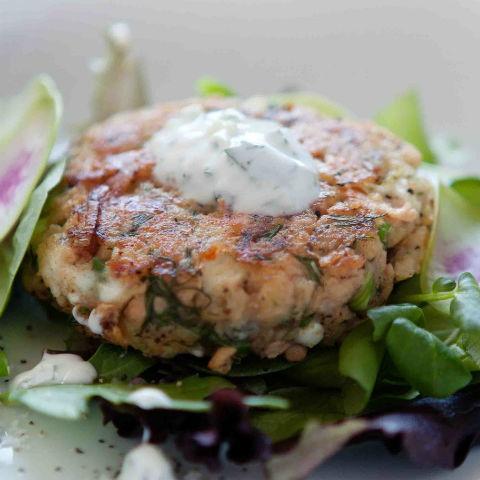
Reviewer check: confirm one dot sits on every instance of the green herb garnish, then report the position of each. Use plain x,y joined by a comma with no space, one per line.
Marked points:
360,301
272,232
383,230
98,265
311,266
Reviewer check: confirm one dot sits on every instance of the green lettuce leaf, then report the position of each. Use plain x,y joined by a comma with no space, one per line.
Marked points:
404,118
208,86
4,368
13,249
468,188
71,402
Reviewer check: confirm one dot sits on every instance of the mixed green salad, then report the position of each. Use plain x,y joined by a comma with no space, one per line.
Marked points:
407,375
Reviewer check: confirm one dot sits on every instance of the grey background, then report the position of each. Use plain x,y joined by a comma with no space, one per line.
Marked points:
359,52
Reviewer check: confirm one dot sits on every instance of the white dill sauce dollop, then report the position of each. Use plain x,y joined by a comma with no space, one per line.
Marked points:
255,165
57,369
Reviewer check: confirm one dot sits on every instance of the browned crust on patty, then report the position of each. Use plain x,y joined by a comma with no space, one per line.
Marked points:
112,209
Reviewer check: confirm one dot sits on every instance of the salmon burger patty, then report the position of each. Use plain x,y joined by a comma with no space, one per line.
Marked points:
137,262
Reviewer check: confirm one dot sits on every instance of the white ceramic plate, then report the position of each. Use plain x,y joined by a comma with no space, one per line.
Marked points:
359,52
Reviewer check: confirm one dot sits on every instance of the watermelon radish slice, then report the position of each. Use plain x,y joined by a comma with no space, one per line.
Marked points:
456,246
455,242
28,128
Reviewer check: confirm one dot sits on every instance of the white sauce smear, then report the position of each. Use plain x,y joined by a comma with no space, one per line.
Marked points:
149,398
146,462
256,166
56,369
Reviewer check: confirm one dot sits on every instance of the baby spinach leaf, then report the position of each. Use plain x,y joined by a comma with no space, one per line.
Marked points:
359,360
383,317
209,86
114,363
404,118
424,361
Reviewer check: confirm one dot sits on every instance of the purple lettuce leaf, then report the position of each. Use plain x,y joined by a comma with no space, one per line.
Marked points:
431,431
224,433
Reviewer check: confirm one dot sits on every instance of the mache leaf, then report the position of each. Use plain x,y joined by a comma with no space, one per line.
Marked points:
465,306
424,361
383,317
